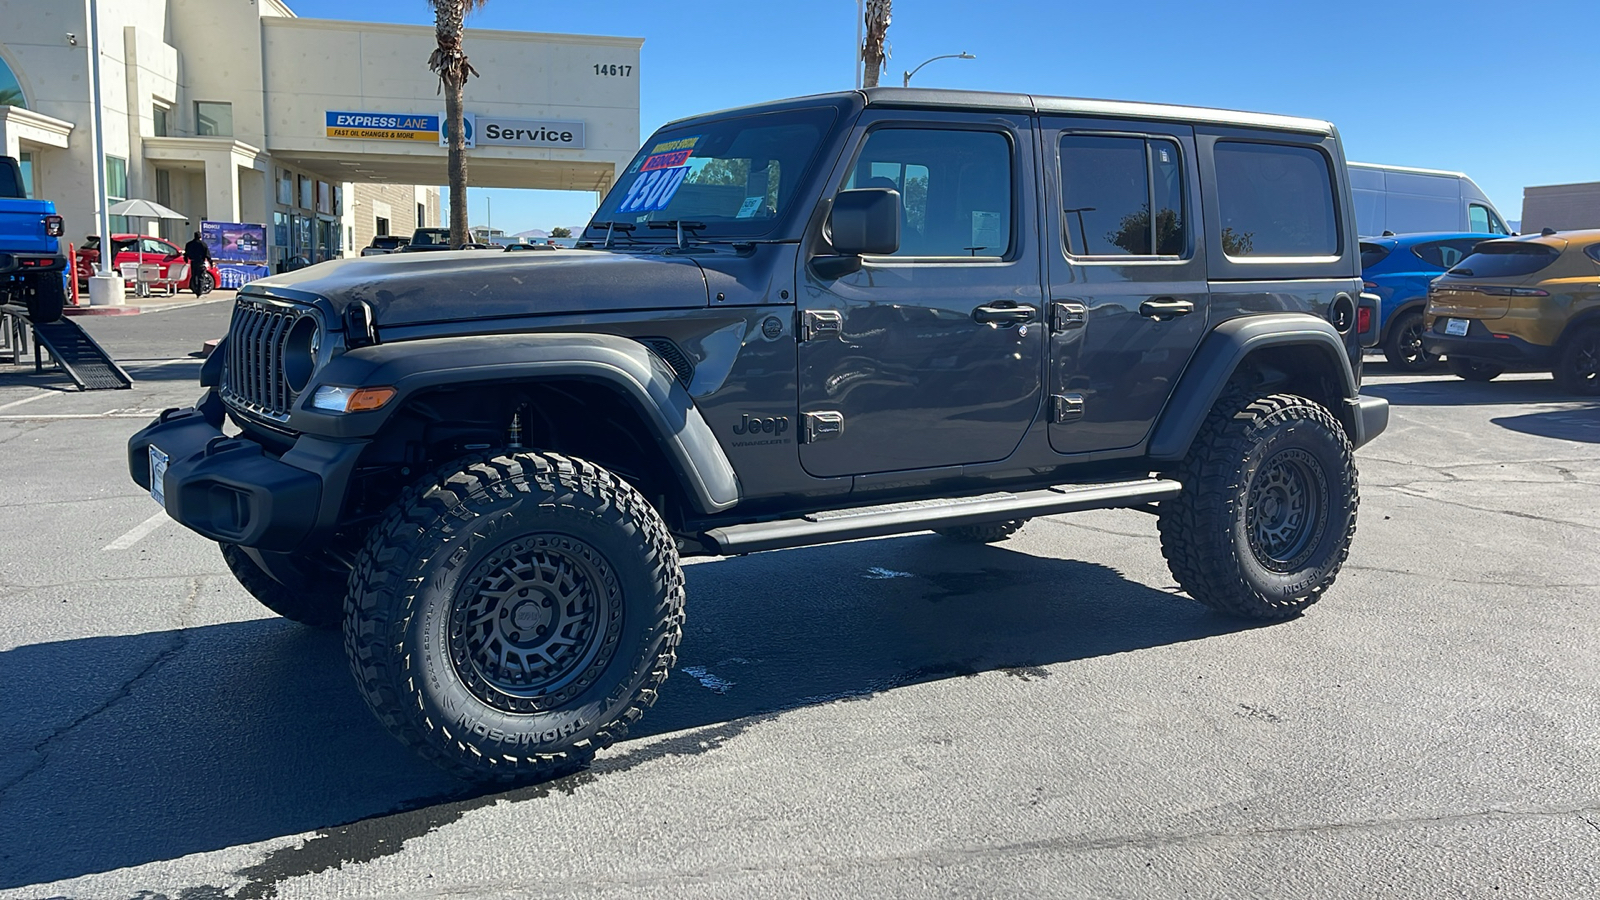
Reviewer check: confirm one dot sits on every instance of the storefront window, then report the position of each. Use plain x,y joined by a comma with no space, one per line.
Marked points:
307,186
324,197
25,159
213,119
117,190
285,187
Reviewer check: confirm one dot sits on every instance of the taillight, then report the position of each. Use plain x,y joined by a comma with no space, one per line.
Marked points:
1364,319
54,226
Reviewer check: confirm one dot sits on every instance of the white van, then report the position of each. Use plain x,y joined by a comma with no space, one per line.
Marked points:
1400,200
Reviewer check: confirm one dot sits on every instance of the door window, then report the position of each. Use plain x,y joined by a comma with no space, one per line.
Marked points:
1483,220
955,189
1276,200
153,247
1109,185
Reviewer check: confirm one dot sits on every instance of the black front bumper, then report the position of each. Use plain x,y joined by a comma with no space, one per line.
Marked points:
1481,343
233,490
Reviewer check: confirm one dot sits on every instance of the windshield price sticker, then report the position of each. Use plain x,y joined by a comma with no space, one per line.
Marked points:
652,190
687,143
665,160
749,207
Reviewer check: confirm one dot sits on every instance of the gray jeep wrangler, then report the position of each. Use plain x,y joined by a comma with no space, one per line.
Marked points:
835,317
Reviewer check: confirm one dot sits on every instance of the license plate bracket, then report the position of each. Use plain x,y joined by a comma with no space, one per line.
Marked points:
158,473
1456,327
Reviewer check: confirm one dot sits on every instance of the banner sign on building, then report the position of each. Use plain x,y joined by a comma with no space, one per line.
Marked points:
494,131
367,126
239,249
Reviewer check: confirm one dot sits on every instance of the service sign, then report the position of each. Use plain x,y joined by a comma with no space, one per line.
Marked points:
366,126
493,131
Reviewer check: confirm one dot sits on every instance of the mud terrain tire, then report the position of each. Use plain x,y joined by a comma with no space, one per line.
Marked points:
317,601
513,614
1268,507
48,298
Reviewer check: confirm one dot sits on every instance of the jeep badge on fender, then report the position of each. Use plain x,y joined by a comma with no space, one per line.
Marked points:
488,485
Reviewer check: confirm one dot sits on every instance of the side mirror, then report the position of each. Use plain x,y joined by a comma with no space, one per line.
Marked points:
866,220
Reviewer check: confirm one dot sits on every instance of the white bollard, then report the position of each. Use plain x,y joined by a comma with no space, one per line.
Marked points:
105,289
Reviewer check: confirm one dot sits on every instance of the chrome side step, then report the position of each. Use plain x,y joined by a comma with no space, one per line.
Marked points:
905,518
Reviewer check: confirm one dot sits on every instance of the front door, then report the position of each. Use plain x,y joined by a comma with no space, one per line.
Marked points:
932,356
1128,299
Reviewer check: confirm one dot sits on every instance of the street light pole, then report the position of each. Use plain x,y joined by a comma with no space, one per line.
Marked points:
97,142
962,55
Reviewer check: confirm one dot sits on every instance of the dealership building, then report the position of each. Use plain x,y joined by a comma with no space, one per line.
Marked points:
324,132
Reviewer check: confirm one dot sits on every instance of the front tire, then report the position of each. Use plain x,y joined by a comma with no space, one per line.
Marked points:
1268,507
1577,367
316,597
1474,369
514,614
1403,348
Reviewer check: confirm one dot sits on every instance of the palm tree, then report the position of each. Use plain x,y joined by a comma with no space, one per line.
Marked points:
12,97
449,61
875,53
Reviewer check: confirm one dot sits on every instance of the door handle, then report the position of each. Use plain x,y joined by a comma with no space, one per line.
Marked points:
1165,308
1010,314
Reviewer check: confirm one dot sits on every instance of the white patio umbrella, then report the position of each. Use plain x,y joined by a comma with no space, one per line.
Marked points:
135,209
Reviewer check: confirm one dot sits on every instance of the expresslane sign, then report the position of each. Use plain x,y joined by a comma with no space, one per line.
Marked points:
368,126
493,131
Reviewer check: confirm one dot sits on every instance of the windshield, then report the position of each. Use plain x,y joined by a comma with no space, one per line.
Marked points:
1505,259
730,178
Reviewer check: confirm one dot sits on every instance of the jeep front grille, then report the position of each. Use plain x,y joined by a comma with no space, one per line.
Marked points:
253,376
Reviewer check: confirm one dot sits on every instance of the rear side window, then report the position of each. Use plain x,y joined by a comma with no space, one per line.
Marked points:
1276,200
1108,187
1443,254
1594,252
1372,254
1505,259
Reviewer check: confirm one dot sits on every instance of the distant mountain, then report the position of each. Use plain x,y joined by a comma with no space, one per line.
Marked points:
533,233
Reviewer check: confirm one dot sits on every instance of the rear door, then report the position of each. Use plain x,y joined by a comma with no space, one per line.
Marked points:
1128,298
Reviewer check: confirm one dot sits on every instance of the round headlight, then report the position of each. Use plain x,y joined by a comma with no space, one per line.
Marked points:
300,353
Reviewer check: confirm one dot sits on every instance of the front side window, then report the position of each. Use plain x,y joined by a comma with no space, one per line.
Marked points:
1483,220
212,119
1109,185
955,189
733,177
1276,200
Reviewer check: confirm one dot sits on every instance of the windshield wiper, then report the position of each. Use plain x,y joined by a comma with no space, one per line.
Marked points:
626,228
680,225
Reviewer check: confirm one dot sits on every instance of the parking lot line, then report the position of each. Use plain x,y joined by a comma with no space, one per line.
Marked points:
138,532
39,396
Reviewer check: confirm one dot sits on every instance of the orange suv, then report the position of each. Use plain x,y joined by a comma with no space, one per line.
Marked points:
1529,303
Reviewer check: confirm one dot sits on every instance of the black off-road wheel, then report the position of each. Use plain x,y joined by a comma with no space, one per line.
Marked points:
1403,348
1268,507
1474,369
316,598
987,533
513,614
1577,367
48,299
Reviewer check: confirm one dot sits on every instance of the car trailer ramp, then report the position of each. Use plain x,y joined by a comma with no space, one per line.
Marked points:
84,361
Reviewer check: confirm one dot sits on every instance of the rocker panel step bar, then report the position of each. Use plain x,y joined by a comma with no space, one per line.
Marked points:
905,518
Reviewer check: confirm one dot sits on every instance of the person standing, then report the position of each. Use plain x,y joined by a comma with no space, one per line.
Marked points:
198,255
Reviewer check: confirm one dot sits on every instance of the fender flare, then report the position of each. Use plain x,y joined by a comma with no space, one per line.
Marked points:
1219,356
1585,319
625,365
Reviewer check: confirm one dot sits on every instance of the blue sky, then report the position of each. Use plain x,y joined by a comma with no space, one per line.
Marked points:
1504,92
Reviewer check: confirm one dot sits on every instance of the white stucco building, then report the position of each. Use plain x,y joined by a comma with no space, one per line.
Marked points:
323,131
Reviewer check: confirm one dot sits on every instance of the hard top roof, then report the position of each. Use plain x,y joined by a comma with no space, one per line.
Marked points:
926,98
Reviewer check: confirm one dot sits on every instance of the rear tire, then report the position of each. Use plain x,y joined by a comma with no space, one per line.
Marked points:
987,533
1268,507
513,614
1577,368
1403,348
47,300
317,599
1474,369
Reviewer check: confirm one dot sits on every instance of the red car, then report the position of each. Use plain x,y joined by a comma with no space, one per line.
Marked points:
130,248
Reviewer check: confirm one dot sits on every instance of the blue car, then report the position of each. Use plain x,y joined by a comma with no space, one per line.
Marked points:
1398,268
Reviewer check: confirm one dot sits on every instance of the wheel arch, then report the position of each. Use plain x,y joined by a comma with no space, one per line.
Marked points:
606,368
1589,318
1415,303
1284,352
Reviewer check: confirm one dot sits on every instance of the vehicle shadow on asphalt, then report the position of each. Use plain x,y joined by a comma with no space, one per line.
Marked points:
178,742
1457,392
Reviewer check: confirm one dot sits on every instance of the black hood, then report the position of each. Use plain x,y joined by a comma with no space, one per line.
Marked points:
417,288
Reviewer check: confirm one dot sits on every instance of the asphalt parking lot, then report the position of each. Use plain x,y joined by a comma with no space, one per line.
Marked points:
894,718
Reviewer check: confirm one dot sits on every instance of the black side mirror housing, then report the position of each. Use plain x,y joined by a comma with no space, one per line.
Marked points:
866,220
